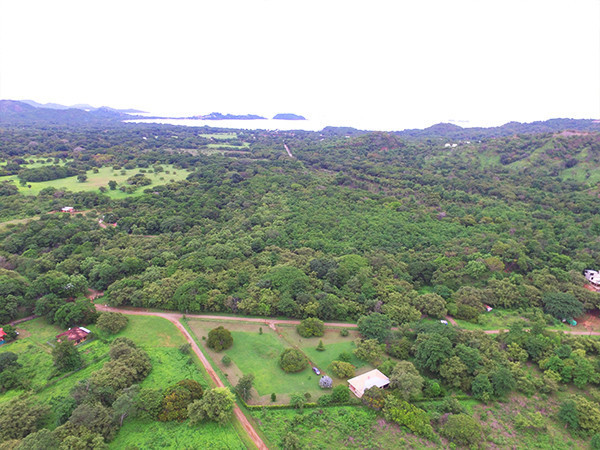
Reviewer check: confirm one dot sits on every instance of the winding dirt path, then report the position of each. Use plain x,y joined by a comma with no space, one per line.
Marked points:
175,318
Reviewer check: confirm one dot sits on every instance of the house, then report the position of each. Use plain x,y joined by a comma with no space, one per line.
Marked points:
488,308
67,209
358,385
76,334
592,276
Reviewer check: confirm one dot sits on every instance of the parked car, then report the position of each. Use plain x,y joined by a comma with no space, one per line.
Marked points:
317,371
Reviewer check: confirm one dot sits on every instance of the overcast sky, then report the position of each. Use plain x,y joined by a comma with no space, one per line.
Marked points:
393,64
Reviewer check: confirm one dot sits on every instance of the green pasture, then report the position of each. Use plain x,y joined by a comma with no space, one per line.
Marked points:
499,319
219,135
104,175
159,435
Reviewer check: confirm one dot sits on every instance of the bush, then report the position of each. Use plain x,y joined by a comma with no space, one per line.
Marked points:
345,357
292,360
219,339
340,394
311,327
185,348
344,332
111,322
320,347
462,429
342,369
324,400
226,360
273,397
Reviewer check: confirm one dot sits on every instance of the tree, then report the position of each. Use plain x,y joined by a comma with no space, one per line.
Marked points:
401,313
81,177
462,429
217,405
340,394
325,382
80,312
320,347
375,326
96,417
562,305
43,439
244,386
455,373
297,400
66,357
126,405
403,413
149,403
20,417
311,327
292,360
482,388
111,322
219,339
406,380
502,381
342,369
369,350
112,184
432,351
374,398
432,304
177,398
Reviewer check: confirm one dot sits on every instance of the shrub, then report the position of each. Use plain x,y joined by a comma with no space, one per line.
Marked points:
226,360
342,369
273,397
311,327
344,332
340,394
325,382
462,429
320,347
345,357
185,348
292,360
112,323
324,400
219,339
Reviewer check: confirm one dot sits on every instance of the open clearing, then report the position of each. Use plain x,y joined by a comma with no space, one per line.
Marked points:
258,354
104,175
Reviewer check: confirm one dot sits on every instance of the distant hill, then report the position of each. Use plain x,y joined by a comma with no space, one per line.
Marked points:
451,131
15,112
219,116
83,106
288,116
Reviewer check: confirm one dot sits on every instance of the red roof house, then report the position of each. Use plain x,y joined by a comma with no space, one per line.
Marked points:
75,334
2,334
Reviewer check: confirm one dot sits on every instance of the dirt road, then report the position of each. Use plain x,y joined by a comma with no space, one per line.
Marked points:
175,319
287,149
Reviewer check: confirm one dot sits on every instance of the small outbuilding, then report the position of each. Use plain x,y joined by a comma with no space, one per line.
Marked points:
358,385
76,335
592,276
67,209
2,335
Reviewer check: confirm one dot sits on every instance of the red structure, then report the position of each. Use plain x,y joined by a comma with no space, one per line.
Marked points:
75,334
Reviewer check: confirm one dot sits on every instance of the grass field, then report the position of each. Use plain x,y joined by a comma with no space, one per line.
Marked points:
161,340
258,354
104,175
138,434
499,319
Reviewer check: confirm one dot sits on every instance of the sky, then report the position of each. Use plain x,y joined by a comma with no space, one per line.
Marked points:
380,64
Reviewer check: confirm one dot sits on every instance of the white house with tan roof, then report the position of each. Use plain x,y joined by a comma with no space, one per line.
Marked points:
358,385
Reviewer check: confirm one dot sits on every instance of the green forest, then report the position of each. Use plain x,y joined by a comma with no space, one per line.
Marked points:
394,232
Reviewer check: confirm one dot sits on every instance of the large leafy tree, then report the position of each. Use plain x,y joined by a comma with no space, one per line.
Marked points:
562,305
219,339
66,357
216,405
406,380
375,326
432,351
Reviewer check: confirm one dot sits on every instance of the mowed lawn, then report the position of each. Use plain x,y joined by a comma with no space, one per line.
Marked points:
104,175
257,354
